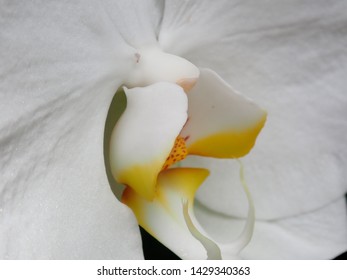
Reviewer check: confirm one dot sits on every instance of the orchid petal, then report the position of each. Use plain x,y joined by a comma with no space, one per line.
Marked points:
192,20
290,58
320,234
61,63
145,134
163,216
137,21
221,122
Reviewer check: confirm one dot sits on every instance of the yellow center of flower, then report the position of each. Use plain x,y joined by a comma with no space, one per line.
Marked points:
178,152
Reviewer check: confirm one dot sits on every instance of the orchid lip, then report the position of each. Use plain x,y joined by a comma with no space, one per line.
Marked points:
189,111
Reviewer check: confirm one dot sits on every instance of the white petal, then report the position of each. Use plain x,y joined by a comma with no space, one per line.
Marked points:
60,66
321,234
222,123
137,21
290,58
195,25
145,134
163,216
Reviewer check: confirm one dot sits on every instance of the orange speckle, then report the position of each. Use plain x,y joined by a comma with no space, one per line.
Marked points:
178,152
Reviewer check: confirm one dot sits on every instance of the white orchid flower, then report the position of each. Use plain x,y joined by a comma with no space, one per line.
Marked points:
61,64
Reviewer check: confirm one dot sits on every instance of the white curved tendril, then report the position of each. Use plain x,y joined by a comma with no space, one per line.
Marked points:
244,238
231,249
212,249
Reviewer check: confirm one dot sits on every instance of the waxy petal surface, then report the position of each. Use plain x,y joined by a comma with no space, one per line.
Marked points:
145,134
221,123
61,63
320,234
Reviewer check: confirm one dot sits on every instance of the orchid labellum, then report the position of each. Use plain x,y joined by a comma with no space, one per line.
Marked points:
176,145
180,112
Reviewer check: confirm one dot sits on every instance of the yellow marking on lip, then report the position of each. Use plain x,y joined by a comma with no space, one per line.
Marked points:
232,144
142,178
175,183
